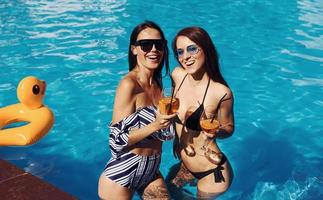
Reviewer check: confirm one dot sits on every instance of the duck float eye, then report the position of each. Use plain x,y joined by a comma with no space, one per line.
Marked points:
36,89
30,109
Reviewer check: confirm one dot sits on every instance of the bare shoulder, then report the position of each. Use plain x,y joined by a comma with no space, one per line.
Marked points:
125,98
222,90
226,90
178,74
127,90
128,83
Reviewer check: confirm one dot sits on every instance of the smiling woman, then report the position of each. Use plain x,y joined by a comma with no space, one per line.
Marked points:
204,116
135,136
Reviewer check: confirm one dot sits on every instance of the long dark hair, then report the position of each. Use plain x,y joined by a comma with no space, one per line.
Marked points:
202,39
132,59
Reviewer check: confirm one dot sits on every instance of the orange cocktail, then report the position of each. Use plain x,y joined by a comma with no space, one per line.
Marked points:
210,125
168,105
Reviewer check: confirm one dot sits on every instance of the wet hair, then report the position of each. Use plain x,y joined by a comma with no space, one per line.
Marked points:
132,59
203,40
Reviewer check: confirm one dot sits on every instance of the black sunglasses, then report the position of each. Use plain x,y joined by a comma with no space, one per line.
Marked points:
147,45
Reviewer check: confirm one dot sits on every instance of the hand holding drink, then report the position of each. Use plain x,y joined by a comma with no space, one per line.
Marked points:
209,124
168,105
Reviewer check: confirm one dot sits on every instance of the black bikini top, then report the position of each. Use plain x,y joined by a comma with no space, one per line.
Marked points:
193,121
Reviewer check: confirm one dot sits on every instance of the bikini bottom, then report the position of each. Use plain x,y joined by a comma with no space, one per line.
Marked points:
218,176
133,171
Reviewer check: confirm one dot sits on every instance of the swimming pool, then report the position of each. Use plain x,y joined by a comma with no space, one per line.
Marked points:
271,56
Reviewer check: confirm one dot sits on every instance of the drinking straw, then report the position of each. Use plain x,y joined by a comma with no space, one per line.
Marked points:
213,118
171,102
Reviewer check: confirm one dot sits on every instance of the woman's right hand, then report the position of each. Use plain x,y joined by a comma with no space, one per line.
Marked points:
163,121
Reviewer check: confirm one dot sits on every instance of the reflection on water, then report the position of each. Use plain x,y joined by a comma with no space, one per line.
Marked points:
311,13
310,32
62,31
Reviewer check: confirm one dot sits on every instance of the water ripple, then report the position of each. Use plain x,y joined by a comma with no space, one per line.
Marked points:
7,86
311,12
304,56
308,82
90,73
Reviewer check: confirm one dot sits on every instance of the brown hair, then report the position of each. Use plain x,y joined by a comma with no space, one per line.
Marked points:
202,39
132,59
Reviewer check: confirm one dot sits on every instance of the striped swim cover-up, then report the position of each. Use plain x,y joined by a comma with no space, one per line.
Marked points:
126,168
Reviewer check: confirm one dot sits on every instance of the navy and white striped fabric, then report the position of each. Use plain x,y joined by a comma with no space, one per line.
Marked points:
119,132
133,171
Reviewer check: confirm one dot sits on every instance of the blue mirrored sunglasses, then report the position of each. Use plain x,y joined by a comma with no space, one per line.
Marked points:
191,50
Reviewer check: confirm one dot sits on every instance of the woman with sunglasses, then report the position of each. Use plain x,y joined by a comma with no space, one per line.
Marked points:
135,131
199,85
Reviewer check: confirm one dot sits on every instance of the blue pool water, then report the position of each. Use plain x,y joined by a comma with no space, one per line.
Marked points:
271,55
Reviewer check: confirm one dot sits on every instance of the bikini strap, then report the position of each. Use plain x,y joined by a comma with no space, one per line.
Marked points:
207,87
180,85
218,106
172,80
218,176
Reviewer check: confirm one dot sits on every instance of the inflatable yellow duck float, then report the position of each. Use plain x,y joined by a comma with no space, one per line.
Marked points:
39,118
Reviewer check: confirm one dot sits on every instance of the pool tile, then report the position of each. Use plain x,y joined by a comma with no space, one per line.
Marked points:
18,184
